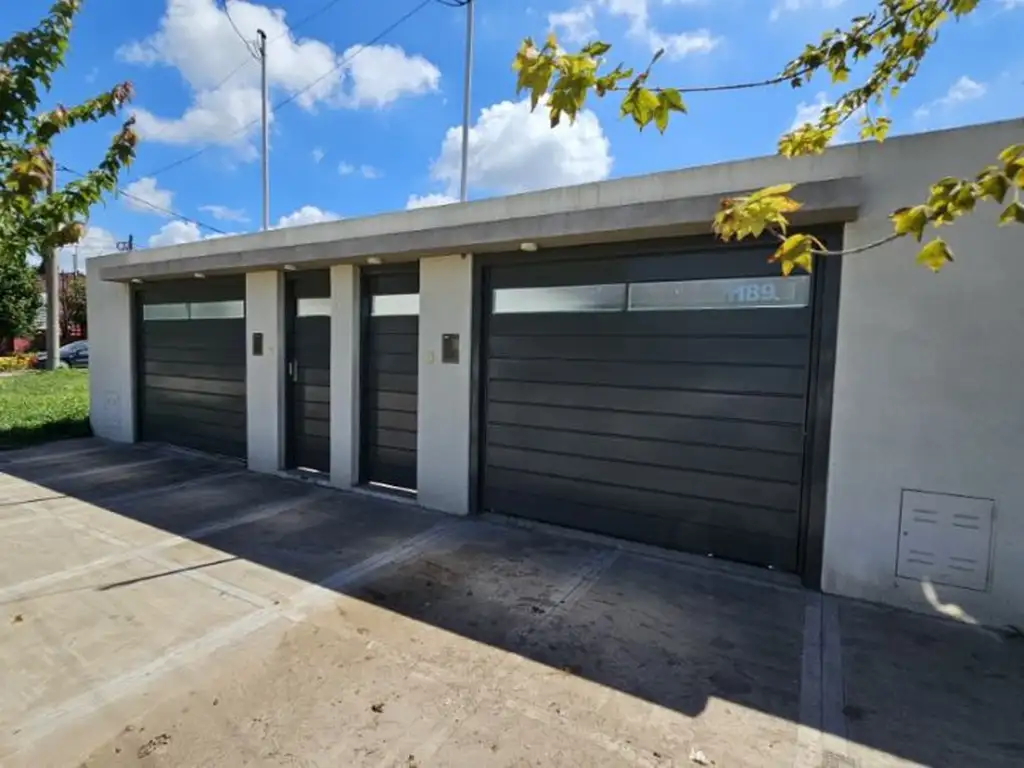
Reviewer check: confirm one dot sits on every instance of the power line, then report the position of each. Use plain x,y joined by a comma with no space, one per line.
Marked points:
154,206
292,97
243,38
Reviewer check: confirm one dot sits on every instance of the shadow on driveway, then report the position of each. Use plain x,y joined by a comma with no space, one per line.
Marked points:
655,627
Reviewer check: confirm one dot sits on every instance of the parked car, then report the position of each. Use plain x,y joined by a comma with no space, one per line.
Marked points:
73,355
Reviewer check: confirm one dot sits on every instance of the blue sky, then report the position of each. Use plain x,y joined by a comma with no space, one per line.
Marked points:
379,130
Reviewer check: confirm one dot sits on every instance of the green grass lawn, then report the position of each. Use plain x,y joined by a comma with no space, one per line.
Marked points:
38,406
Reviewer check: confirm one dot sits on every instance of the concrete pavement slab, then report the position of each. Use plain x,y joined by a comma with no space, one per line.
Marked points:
294,625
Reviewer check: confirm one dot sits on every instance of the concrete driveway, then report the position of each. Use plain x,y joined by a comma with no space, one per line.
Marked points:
162,609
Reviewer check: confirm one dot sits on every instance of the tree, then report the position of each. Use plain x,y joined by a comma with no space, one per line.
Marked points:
890,42
72,304
34,220
19,296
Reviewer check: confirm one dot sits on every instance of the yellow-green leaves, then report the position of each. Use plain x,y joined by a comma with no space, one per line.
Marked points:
911,221
935,255
640,104
1012,214
876,128
797,251
751,216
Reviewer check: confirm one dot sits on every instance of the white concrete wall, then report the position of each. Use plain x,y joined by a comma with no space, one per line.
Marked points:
443,442
111,359
345,343
929,390
264,375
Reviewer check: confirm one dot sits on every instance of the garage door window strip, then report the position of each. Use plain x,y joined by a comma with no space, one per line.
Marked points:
197,310
677,295
395,305
313,307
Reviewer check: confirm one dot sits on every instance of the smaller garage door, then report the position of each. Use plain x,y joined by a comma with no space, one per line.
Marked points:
191,364
309,369
391,306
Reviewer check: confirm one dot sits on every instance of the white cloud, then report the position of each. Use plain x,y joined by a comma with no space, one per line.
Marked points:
577,25
809,112
318,154
223,213
429,201
680,45
380,75
963,90
512,149
146,196
95,242
795,6
366,171
1011,4
196,38
307,214
175,233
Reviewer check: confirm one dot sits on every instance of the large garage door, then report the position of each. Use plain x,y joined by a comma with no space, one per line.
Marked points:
191,364
659,398
391,326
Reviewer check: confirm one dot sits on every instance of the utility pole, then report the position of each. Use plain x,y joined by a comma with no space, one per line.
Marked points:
52,290
466,104
262,47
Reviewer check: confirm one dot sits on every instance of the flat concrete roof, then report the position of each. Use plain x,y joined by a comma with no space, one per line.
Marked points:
667,204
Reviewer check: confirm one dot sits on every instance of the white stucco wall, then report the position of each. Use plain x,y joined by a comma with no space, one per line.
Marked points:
111,359
264,374
443,442
345,342
929,388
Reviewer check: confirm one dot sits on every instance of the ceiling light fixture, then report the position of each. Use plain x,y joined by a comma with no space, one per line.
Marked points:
289,267
373,260
528,247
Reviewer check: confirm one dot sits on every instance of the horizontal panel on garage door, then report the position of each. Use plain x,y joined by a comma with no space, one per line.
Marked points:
660,398
191,364
390,383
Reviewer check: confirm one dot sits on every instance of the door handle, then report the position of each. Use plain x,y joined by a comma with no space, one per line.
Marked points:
293,370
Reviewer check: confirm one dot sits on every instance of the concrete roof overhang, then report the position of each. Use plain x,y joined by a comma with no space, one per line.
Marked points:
656,206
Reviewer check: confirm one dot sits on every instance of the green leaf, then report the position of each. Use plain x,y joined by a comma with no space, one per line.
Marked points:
1011,153
910,221
673,99
1012,214
935,255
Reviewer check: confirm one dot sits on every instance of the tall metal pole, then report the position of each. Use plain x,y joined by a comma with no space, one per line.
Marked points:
262,37
467,104
52,291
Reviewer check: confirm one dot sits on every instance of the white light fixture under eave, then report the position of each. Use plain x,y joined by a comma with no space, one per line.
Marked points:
136,280
288,267
528,247
198,275
373,260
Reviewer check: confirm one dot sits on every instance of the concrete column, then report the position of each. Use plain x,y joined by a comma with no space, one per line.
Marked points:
345,336
111,359
264,374
446,306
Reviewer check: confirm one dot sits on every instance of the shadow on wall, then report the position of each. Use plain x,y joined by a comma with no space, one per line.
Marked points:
678,636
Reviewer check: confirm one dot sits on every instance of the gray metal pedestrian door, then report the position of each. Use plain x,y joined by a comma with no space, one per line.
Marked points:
190,357
659,397
390,380
308,301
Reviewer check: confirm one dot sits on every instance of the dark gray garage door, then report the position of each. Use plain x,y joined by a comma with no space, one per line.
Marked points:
309,370
659,398
191,364
390,376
